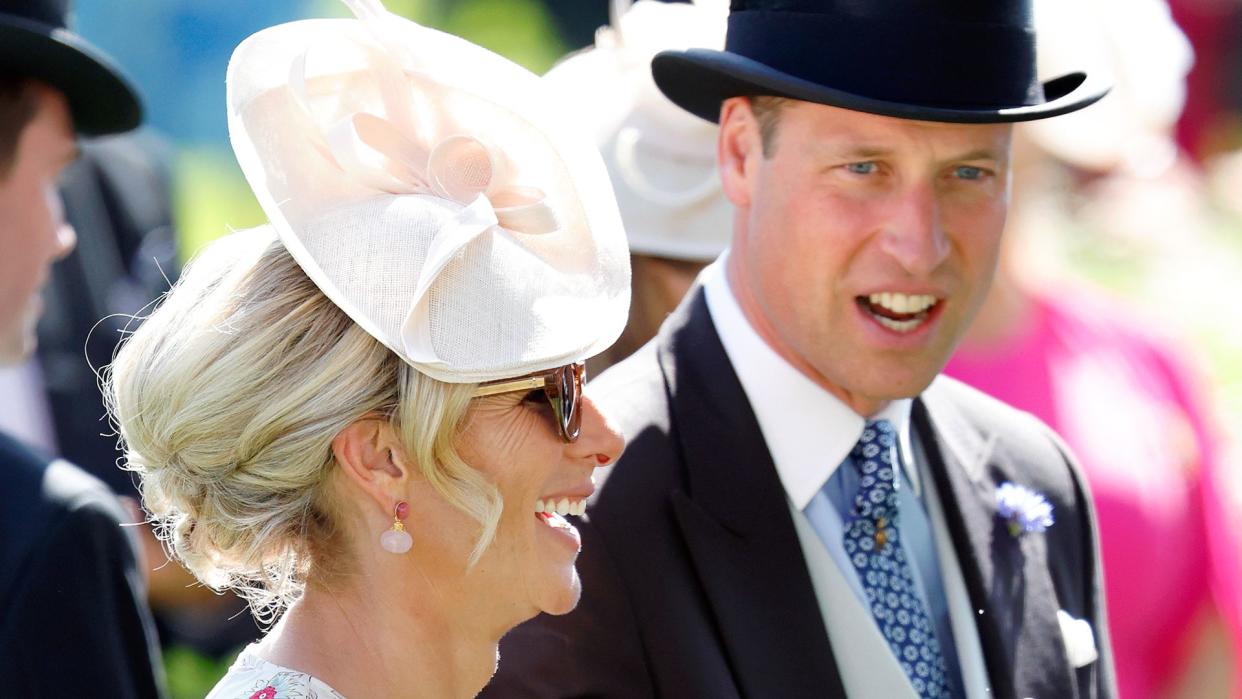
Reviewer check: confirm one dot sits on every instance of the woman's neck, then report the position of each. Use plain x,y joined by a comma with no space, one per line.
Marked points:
398,640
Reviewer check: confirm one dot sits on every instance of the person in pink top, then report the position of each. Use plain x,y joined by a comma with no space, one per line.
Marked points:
1122,396
1127,405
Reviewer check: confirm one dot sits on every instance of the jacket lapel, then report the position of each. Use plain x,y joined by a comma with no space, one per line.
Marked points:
1006,577
736,523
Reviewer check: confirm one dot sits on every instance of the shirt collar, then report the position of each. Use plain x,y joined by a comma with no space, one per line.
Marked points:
809,432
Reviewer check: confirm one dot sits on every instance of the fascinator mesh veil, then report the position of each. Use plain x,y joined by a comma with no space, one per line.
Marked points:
434,191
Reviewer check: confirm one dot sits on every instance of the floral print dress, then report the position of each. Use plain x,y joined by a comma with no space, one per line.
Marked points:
252,677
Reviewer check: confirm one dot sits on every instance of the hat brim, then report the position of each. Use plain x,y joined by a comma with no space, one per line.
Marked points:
545,285
101,99
698,80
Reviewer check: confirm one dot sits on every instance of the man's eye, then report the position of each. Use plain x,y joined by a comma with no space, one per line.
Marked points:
967,172
866,167
536,397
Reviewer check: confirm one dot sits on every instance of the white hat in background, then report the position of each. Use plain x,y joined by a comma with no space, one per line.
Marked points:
1137,43
434,191
662,159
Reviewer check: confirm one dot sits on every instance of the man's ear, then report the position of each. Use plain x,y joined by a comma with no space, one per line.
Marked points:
371,457
738,148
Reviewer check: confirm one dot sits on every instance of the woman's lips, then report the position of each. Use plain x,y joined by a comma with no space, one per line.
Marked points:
561,529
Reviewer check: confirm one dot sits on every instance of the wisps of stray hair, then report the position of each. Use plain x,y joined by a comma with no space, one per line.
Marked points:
227,399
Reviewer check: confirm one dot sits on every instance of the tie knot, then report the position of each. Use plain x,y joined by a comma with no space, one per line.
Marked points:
875,444
872,456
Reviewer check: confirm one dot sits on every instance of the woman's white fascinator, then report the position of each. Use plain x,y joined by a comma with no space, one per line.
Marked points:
434,191
661,158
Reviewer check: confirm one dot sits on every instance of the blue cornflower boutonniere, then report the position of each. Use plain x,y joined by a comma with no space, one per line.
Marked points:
1025,510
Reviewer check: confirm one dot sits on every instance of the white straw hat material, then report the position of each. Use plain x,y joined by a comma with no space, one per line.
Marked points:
434,191
662,160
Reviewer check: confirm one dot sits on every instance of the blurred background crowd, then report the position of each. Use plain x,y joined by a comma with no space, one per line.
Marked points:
1113,318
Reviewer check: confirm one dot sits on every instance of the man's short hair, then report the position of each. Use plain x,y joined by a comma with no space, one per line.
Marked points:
17,107
767,111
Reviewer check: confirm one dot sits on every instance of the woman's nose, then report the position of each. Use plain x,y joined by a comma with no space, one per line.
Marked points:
598,438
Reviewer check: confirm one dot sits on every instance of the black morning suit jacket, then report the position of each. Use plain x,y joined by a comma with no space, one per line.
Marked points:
73,617
694,583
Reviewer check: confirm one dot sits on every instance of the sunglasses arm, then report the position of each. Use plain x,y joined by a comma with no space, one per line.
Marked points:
528,383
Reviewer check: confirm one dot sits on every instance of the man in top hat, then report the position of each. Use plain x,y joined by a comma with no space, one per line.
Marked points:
73,621
805,508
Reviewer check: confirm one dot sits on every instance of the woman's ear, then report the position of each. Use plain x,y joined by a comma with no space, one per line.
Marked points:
370,456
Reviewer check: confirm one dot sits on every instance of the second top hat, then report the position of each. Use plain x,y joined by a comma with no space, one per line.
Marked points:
36,42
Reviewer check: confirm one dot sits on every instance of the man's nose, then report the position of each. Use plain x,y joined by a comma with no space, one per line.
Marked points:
66,239
915,235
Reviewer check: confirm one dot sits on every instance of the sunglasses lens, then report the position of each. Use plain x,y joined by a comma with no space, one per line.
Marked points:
565,404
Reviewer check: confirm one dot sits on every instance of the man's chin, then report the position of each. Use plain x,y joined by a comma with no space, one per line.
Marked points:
911,380
870,398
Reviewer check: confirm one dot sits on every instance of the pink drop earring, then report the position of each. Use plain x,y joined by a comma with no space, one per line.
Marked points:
397,540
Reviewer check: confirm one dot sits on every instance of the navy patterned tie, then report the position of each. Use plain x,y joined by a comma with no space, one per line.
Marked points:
873,544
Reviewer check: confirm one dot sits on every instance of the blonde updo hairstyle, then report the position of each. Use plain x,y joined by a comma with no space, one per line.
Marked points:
227,399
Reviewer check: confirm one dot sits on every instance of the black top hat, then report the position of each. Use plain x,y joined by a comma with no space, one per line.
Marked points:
35,42
966,61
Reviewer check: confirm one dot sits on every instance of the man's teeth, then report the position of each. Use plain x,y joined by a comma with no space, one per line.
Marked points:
901,326
902,303
562,507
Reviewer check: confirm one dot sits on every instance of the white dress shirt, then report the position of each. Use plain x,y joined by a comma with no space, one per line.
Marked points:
24,413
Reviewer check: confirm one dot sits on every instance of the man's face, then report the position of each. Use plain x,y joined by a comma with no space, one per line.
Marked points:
863,244
33,232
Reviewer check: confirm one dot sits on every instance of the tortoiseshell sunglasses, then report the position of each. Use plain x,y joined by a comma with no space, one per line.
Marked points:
562,386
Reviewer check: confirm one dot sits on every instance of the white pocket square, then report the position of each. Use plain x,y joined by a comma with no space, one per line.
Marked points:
1079,640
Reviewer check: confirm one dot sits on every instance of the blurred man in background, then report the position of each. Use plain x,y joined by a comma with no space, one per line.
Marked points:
74,620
